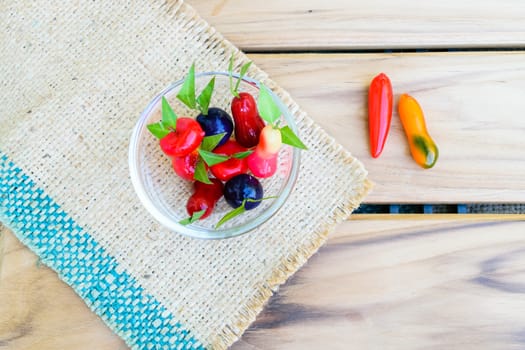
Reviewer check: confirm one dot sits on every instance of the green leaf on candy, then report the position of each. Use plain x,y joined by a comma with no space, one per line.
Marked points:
244,69
211,158
260,200
210,142
168,122
196,216
230,76
169,118
204,98
235,89
241,155
240,210
201,174
231,214
187,92
158,130
268,109
290,138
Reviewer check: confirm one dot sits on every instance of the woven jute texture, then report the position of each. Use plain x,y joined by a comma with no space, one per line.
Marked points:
74,77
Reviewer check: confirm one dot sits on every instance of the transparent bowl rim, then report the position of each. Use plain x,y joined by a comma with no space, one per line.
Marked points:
195,231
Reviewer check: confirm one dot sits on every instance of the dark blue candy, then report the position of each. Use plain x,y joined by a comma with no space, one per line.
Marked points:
216,122
241,187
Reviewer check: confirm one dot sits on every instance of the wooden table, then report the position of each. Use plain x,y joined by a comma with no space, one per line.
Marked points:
381,281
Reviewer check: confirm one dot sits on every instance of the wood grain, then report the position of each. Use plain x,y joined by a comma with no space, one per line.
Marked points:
473,104
403,285
375,24
376,284
407,283
38,311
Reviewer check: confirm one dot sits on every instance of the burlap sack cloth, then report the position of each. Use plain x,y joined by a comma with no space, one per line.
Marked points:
74,77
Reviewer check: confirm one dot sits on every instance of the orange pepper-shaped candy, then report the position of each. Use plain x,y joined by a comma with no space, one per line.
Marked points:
423,148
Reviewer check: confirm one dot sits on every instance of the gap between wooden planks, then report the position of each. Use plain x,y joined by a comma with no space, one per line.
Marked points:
374,24
375,284
472,101
434,216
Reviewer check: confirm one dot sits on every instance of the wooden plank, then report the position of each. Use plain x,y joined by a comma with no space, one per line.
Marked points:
375,24
473,104
376,284
403,285
38,311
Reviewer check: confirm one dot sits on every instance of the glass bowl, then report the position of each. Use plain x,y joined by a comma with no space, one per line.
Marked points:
164,194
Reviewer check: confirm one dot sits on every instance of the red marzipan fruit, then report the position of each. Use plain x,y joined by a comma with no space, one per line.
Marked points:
248,123
185,139
205,197
232,167
213,190
270,141
262,165
185,166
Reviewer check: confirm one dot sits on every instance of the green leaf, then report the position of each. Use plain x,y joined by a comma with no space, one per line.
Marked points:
241,155
196,216
290,138
211,158
241,209
201,174
230,75
244,69
231,214
169,118
251,200
210,142
268,109
158,130
187,91
205,97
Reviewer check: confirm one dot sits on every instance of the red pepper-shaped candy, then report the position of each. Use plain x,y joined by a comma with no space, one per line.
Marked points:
379,112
